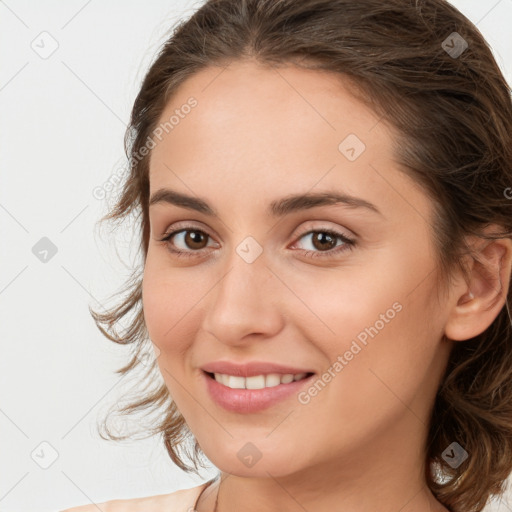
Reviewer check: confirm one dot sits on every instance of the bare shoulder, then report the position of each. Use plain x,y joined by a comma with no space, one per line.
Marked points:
88,508
180,501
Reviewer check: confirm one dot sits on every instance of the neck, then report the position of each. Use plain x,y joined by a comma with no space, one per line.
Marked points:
368,479
232,493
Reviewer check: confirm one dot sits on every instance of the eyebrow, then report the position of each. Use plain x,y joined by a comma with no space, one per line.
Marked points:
277,208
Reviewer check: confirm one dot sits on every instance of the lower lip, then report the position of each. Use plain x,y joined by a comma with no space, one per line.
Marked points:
251,400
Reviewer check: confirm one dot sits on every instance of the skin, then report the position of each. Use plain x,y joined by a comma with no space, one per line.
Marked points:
359,443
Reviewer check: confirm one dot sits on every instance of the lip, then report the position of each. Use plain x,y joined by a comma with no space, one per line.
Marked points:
251,369
247,401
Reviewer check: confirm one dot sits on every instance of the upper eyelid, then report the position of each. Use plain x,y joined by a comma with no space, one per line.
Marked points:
296,235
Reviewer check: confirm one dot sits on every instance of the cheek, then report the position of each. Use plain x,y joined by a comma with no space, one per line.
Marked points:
344,304
168,301
156,303
378,314
169,313
387,369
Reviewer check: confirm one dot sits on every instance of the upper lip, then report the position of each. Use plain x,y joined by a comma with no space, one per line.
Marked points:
250,369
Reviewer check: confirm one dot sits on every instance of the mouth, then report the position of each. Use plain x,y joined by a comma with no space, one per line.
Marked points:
252,386
262,381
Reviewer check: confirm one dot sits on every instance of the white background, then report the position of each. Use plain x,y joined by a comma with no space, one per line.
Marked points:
62,122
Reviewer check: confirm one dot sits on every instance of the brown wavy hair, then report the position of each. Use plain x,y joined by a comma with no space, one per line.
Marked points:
453,117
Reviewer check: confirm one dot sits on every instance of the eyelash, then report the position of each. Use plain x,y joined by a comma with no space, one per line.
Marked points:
348,243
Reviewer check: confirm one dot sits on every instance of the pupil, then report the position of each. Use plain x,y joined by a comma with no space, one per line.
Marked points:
194,237
321,238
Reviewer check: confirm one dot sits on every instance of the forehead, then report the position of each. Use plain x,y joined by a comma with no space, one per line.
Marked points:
261,131
247,104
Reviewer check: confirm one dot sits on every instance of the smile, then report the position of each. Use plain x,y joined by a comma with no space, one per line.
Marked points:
255,393
257,381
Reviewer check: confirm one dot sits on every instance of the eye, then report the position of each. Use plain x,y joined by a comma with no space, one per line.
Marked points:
193,240
189,238
324,243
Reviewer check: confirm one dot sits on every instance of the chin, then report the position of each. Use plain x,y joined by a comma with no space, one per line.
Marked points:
246,459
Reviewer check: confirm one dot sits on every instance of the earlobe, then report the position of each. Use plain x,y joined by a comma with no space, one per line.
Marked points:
478,301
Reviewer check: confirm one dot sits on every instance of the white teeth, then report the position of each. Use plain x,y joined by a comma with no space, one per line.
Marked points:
236,382
272,379
257,381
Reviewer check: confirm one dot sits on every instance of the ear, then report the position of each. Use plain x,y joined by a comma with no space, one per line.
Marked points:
476,302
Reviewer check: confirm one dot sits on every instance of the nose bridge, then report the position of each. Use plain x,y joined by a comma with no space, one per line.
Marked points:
243,300
246,273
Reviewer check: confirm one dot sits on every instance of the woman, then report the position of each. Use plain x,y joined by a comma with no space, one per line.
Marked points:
325,223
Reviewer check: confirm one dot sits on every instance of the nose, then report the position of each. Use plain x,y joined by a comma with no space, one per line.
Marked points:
244,303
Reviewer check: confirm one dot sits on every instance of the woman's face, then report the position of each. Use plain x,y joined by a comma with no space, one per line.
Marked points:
343,290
